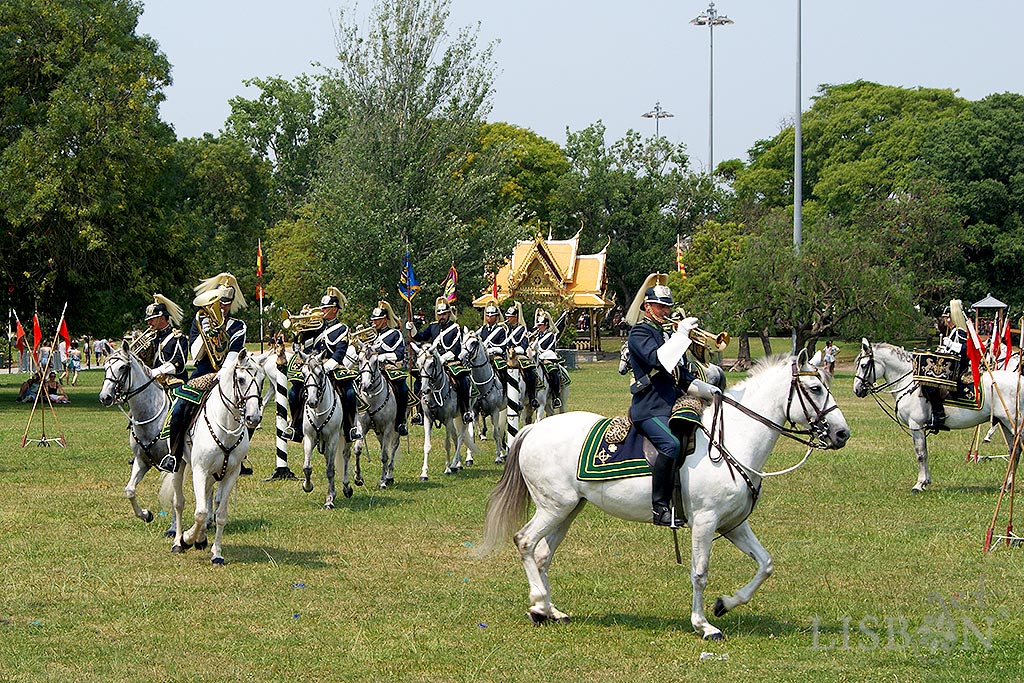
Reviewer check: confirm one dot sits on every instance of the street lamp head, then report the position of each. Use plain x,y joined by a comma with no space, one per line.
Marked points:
711,18
657,113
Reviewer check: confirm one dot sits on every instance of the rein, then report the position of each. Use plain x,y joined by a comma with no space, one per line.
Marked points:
371,392
122,396
235,410
874,390
321,389
490,382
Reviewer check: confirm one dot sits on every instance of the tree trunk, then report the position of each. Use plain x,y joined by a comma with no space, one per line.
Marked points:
743,355
766,342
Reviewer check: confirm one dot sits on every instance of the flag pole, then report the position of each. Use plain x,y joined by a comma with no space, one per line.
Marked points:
43,440
259,284
10,364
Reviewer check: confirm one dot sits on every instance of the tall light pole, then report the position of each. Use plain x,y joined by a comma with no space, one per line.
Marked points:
656,114
798,153
711,18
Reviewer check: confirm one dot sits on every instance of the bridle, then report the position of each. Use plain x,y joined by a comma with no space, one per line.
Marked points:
123,393
235,409
374,380
437,376
492,381
317,379
868,379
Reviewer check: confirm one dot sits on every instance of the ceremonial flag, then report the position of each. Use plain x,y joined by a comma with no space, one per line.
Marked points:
1007,342
37,334
259,270
65,335
679,259
20,337
408,285
448,286
494,288
974,353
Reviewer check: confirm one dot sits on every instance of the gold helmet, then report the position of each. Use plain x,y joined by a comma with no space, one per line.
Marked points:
654,288
227,287
541,317
162,306
441,306
515,309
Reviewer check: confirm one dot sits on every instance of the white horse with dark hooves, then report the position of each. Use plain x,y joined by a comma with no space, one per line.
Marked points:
720,484
439,403
491,401
882,367
127,380
381,406
323,429
216,446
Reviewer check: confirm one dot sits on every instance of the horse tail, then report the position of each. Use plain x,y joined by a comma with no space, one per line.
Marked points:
166,493
506,506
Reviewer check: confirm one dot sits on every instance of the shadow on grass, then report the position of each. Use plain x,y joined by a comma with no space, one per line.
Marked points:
251,554
760,625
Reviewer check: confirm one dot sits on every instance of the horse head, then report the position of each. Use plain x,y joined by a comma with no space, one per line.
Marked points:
118,371
247,381
867,369
369,369
472,347
810,404
624,366
314,379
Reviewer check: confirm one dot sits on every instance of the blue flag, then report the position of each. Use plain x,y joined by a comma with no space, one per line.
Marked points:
408,285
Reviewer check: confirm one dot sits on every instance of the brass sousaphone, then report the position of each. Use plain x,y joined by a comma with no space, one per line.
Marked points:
212,334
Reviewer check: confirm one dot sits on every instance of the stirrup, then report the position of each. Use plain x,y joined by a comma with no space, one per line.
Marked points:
168,464
556,403
534,403
467,417
666,517
354,434
403,430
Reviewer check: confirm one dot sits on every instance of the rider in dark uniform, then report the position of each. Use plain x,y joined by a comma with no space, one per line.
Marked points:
215,338
332,341
169,348
518,340
390,349
547,357
660,378
448,338
305,326
494,335
953,331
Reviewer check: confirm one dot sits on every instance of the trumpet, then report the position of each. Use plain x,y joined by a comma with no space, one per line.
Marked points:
708,340
140,344
363,335
297,323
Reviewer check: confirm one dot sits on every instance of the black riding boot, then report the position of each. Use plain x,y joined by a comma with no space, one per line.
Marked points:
935,400
402,400
530,375
662,485
462,393
176,441
555,382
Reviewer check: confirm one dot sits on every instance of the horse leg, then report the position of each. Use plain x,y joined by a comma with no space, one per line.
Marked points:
392,449
307,462
703,533
331,460
426,444
178,507
359,445
139,469
384,441
452,463
499,424
744,539
468,440
527,540
924,477
346,488
202,485
545,551
224,495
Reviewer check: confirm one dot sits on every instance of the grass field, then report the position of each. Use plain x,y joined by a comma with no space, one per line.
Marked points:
871,583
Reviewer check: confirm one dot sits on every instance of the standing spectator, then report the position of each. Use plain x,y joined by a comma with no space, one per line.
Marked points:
88,352
44,356
74,365
829,356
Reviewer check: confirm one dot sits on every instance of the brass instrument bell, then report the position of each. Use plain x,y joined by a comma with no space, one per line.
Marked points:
709,340
297,323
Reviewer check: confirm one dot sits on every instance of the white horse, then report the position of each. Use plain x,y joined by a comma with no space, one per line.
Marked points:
323,429
884,367
491,401
381,406
217,444
720,483
127,380
545,397
439,403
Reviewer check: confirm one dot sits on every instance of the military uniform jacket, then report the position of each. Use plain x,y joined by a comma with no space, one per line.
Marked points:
959,336
495,339
235,331
517,338
171,347
390,341
332,340
546,344
450,338
658,399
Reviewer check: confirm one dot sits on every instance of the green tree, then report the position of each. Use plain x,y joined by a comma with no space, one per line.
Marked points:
405,168
82,154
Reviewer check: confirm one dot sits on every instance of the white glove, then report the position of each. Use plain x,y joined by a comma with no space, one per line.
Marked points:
330,365
671,352
702,390
388,357
409,326
165,369
953,346
447,357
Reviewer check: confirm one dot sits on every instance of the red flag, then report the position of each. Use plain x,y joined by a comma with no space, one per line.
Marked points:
494,287
20,338
63,332
37,334
259,258
974,353
1007,343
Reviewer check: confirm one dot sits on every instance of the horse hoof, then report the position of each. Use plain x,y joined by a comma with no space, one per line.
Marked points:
358,481
307,486
714,636
177,550
217,562
537,618
564,619
389,480
201,545
148,517
382,485
423,477
328,506
720,608
347,490
185,545
469,463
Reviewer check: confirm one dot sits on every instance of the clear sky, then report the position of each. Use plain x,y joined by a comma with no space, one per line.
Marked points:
568,63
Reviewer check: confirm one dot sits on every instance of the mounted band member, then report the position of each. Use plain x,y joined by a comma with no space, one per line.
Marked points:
390,349
518,340
657,348
953,333
332,341
494,335
550,362
214,338
169,348
305,327
449,346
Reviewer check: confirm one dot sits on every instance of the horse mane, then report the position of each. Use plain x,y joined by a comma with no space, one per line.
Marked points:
899,351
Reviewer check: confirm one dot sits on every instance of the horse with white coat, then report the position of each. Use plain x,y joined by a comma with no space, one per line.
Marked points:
381,406
883,367
491,401
323,429
720,481
439,403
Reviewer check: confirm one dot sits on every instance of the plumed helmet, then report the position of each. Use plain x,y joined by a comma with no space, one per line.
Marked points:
162,306
541,317
651,282
441,307
333,297
227,288
515,310
491,309
956,314
383,311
